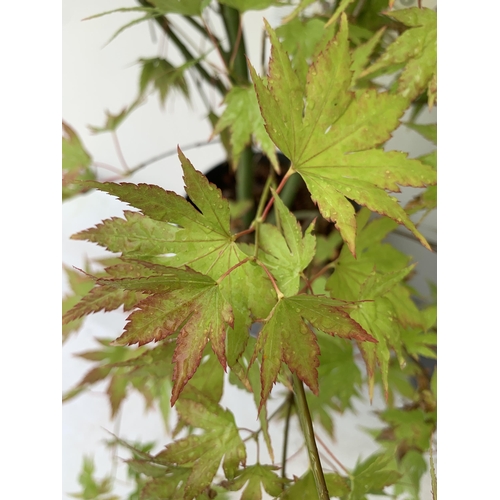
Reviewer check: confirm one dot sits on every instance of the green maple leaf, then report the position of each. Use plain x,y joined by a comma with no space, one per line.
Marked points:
181,301
300,38
76,163
102,298
339,380
332,140
204,452
286,255
361,54
80,285
254,478
243,117
245,5
287,336
92,488
173,232
164,76
417,47
372,476
373,256
305,487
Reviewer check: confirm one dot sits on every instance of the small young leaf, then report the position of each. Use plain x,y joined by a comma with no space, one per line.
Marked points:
243,116
255,477
76,163
288,255
164,77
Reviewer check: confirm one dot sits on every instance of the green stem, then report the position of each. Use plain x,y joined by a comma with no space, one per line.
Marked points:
232,20
307,429
290,402
167,29
288,194
239,75
244,181
291,189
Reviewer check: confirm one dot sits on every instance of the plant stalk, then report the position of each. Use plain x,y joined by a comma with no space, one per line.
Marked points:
307,429
290,402
167,29
239,76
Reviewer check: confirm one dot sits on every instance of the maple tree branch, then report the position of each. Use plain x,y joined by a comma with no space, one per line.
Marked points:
289,402
307,429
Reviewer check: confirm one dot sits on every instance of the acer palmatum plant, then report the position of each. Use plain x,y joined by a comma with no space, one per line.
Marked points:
256,289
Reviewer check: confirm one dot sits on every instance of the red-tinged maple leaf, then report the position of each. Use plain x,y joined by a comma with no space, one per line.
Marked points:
333,135
182,301
288,337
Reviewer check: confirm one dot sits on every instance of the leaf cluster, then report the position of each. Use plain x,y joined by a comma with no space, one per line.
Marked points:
276,302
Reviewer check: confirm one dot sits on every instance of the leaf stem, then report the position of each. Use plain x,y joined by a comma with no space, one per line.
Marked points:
276,289
231,269
270,203
239,76
119,152
333,457
317,275
307,429
289,402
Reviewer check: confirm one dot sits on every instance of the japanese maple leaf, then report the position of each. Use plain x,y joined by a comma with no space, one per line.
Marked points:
288,337
204,452
243,116
183,301
172,232
417,47
333,136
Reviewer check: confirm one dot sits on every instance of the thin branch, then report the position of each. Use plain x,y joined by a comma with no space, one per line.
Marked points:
290,403
105,166
119,150
162,156
217,45
236,43
164,24
332,456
